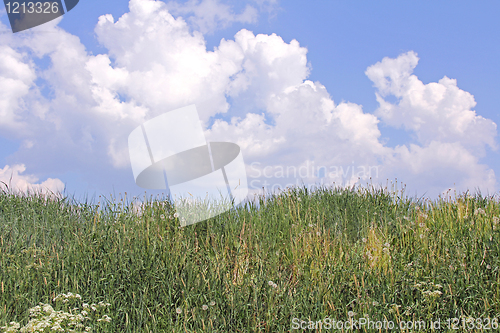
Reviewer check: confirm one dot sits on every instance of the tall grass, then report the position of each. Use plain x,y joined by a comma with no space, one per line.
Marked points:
331,253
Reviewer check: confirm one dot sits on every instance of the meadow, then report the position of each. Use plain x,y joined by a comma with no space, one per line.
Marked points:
298,261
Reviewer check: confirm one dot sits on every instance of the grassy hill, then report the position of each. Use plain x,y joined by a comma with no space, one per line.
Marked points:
297,260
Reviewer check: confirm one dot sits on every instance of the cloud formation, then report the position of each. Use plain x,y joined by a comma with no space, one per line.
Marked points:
252,90
11,178
208,16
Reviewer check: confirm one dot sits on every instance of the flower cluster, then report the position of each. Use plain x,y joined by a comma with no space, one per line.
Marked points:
272,284
44,318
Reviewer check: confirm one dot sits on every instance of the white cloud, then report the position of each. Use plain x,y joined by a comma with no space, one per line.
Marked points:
16,79
434,111
12,177
208,16
155,63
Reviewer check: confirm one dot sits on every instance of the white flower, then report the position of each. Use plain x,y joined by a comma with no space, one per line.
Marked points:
105,318
387,245
176,215
178,310
351,314
272,284
204,307
479,211
212,303
488,267
162,216
421,224
364,240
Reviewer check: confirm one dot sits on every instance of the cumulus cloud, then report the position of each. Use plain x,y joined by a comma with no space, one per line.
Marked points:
12,177
252,90
452,136
434,111
208,16
16,79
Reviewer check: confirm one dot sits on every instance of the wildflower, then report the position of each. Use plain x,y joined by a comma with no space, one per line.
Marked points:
488,267
162,216
212,303
176,215
105,318
421,224
423,215
364,240
178,310
375,303
387,245
272,284
351,314
479,211
434,293
421,236
496,220
318,233
204,307
386,250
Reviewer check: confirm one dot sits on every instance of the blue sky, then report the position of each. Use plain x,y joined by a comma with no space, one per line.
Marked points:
430,134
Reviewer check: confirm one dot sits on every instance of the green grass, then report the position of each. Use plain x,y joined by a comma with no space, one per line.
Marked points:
332,253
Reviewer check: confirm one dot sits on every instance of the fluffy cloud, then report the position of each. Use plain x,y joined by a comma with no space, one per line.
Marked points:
434,111
16,79
207,16
252,90
452,136
11,178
